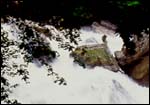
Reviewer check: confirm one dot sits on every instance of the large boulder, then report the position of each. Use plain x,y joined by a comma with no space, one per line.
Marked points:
104,27
95,55
137,65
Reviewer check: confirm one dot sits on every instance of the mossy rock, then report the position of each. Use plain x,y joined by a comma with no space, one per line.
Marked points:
95,55
140,72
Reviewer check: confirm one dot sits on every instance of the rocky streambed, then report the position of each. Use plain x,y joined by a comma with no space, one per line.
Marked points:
136,66
99,54
95,55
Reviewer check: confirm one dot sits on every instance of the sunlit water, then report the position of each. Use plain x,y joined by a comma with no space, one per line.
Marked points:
84,86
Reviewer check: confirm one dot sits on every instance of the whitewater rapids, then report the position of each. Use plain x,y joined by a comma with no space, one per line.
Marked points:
84,86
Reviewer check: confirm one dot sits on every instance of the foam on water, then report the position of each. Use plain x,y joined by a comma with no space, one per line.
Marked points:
85,86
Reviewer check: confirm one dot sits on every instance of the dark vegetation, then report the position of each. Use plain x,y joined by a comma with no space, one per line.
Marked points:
8,69
131,17
34,49
32,46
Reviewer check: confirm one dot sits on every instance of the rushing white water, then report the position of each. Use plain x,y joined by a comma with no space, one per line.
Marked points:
84,86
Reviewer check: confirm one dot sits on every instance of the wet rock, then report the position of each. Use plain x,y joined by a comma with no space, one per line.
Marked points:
104,27
95,55
2,20
137,65
91,41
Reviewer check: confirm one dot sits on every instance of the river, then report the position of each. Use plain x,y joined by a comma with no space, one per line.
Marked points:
84,85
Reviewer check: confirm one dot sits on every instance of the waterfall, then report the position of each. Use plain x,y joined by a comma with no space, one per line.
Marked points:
84,86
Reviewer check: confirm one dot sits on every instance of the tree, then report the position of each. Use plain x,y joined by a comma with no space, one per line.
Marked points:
130,16
7,69
28,43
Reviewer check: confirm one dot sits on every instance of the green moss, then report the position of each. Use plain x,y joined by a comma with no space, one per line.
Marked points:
98,53
95,56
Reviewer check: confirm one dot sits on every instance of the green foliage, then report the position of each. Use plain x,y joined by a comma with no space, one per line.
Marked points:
7,53
133,3
33,47
124,5
82,12
130,16
11,51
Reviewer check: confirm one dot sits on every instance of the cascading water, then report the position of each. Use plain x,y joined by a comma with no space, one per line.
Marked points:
84,86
